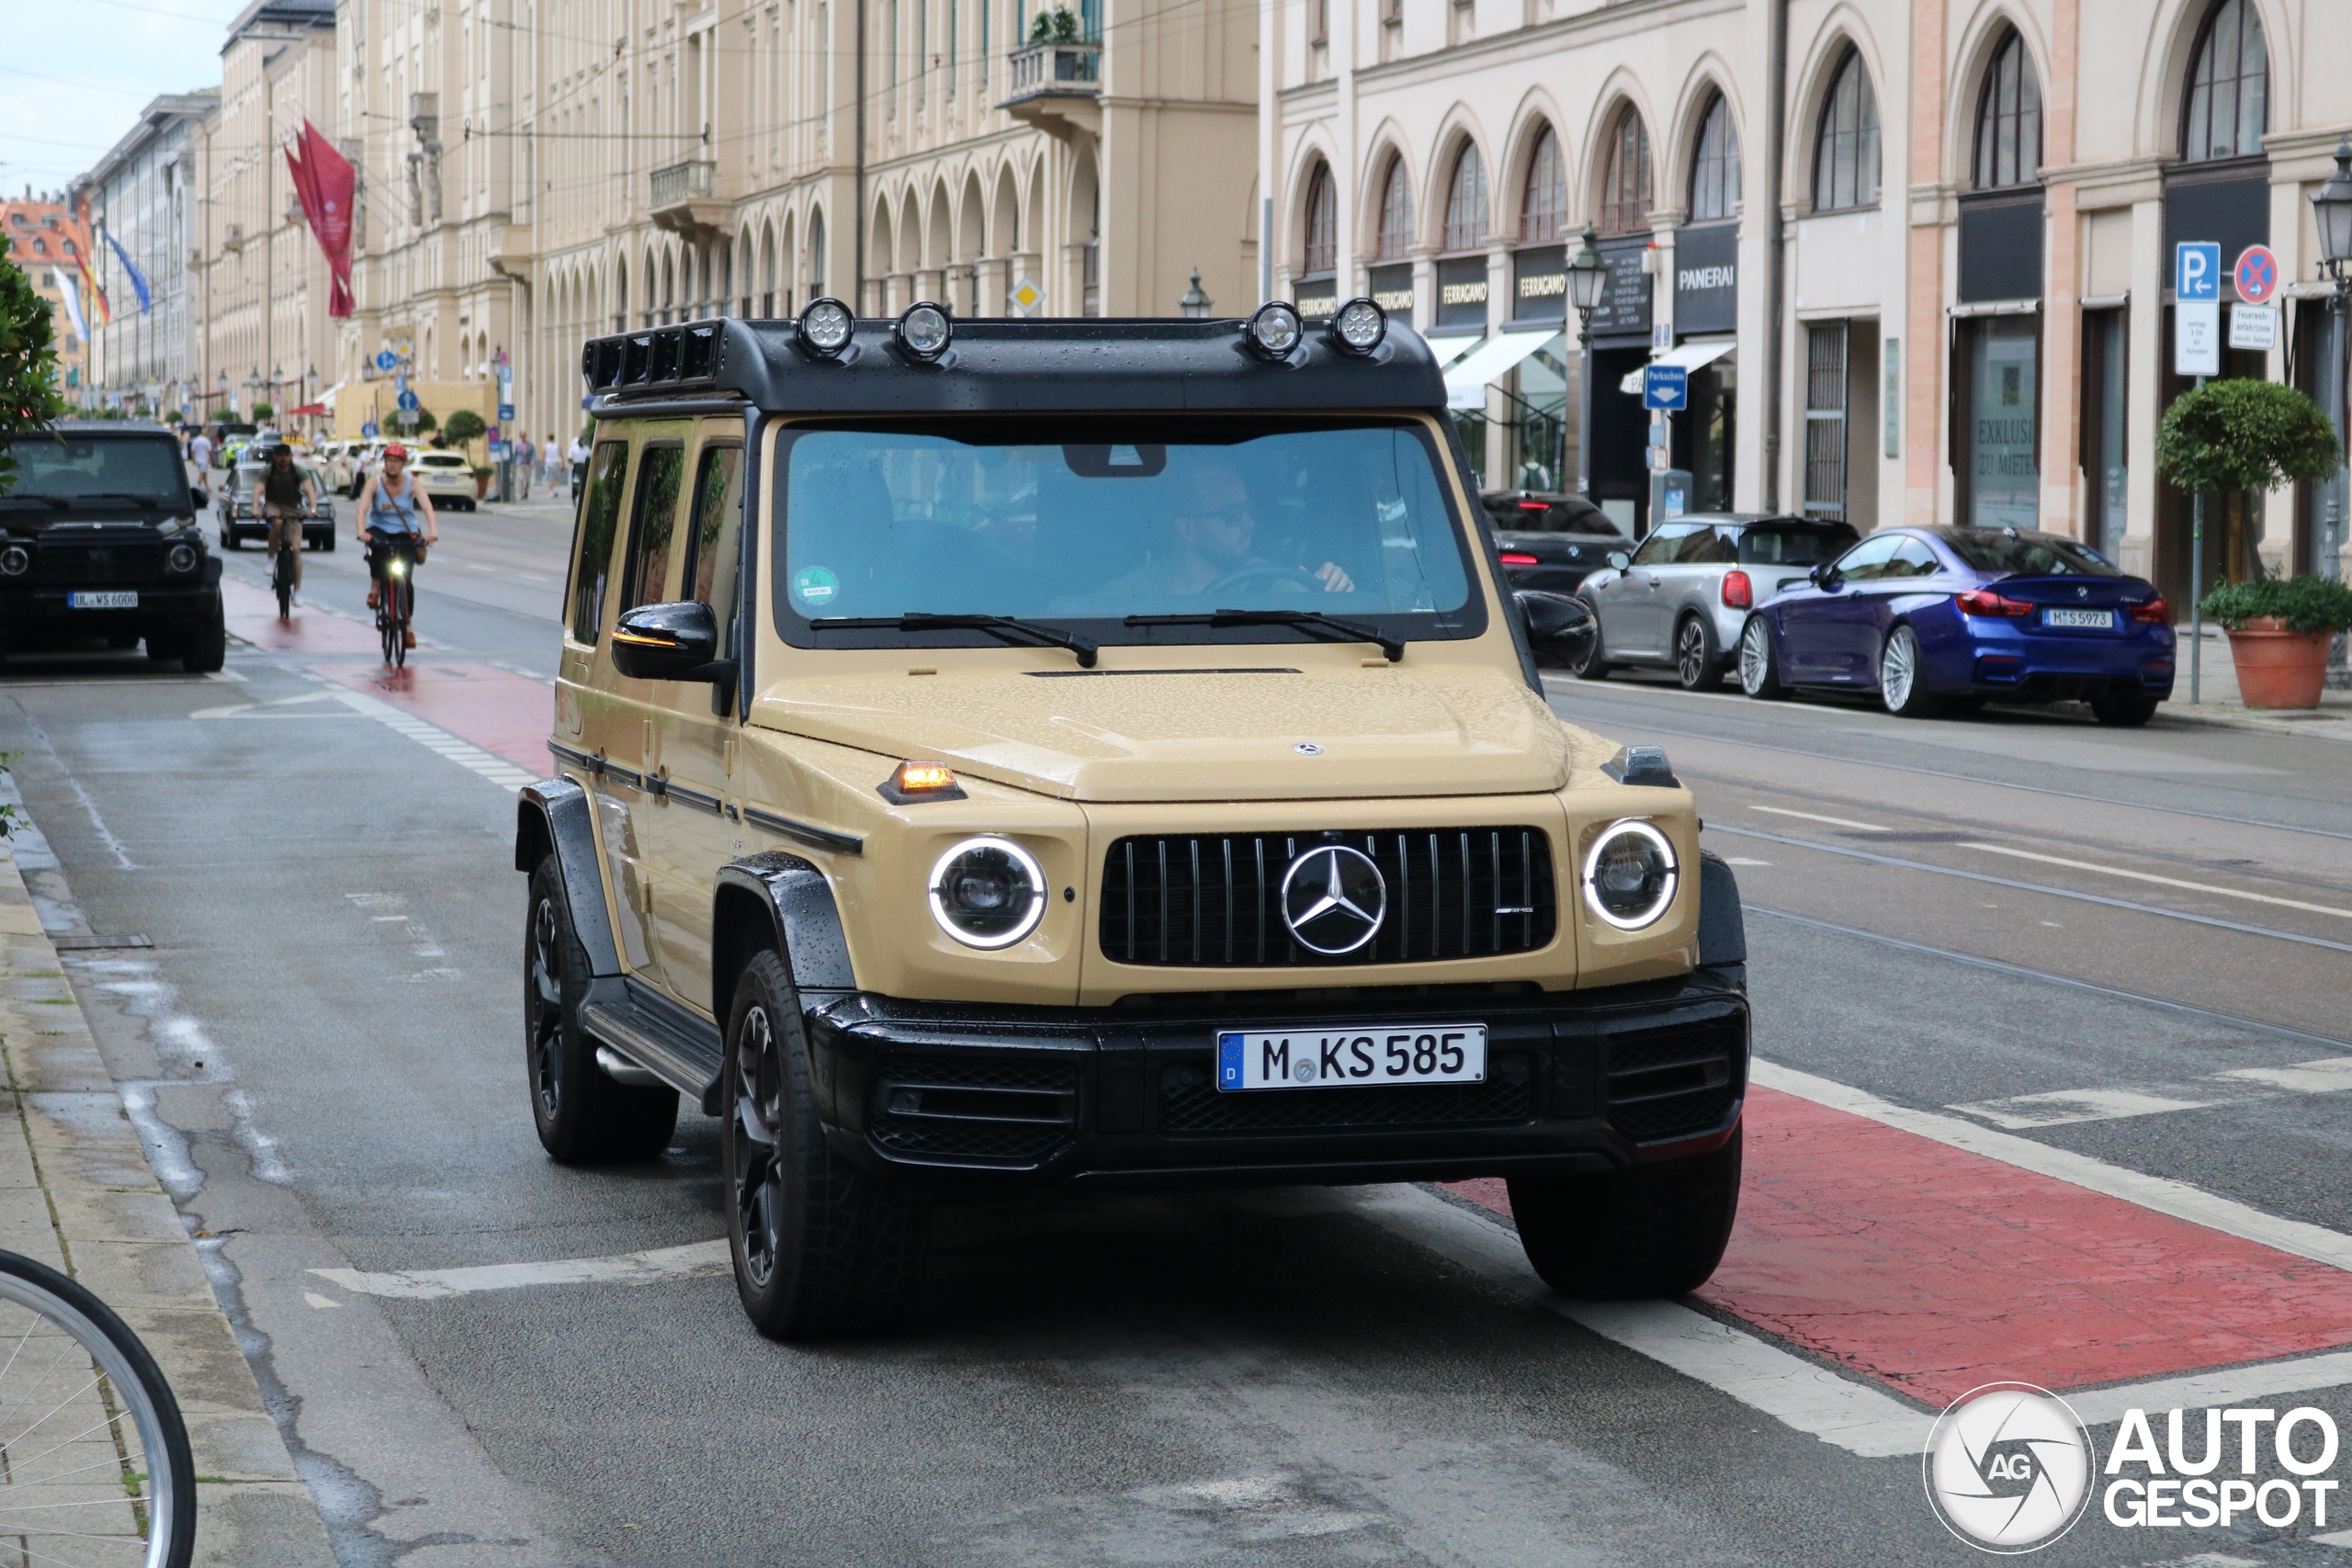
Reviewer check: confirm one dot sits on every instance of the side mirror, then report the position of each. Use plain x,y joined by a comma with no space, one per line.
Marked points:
1825,575
670,642
1559,627
1620,560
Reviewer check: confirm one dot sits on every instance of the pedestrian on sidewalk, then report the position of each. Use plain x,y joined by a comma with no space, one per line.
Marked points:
525,458
199,451
579,465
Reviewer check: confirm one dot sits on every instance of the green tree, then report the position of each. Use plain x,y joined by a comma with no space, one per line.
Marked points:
29,394
262,411
463,426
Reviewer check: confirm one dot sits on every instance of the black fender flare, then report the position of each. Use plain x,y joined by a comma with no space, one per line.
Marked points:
555,816
795,913
1722,925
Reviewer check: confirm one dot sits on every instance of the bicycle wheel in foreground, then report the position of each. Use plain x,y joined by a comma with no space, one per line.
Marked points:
94,1468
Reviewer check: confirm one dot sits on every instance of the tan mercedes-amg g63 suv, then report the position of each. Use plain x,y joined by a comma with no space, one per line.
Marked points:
997,754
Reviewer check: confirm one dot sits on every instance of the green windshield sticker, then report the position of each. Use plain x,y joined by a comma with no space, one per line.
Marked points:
815,586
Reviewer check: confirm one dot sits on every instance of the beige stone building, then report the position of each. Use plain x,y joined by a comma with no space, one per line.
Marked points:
1915,253
258,281
535,173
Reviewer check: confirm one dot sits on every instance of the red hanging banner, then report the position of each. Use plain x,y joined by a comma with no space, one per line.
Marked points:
325,184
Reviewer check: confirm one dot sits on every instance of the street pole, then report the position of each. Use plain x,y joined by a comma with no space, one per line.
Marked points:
2195,586
2331,561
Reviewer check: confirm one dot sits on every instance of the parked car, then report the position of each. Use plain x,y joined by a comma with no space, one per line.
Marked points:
1549,541
237,506
1680,599
1937,618
446,477
338,460
1148,879
98,538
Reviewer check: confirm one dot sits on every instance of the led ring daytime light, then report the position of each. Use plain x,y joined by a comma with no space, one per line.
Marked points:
1630,874
988,893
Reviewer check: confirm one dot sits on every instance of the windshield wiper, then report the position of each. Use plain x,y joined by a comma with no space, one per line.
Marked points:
1005,628
148,501
1313,620
49,501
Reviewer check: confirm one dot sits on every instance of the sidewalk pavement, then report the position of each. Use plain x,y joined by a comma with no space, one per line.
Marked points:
77,1193
2219,703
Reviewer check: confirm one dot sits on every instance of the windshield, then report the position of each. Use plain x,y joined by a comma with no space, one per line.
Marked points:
1138,516
1793,547
2016,554
112,466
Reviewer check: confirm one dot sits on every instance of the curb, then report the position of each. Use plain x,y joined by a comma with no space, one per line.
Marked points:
77,1193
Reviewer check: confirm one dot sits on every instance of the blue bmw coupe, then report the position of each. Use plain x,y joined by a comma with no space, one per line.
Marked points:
1944,618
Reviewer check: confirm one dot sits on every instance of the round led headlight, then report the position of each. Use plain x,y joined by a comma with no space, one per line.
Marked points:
1274,329
14,561
1359,325
1630,874
181,558
988,893
923,329
825,328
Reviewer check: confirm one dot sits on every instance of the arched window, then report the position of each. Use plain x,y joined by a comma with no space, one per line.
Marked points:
1845,155
1625,181
1395,212
2008,120
1544,205
1715,171
1322,221
2229,87
1465,201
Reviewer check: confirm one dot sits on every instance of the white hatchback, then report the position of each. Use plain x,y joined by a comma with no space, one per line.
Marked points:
448,478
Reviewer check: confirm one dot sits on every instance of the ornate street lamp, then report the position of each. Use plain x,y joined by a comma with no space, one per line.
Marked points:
1194,305
2332,212
1588,279
2331,209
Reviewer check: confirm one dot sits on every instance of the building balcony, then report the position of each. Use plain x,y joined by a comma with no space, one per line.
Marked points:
1058,88
681,199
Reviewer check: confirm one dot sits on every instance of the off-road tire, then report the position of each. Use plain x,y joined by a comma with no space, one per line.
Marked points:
1596,664
204,647
822,1250
1759,662
165,643
582,1116
1653,1230
1700,668
2124,710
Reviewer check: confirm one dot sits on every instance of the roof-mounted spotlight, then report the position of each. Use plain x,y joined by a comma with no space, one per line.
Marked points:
1359,325
1274,329
825,329
924,330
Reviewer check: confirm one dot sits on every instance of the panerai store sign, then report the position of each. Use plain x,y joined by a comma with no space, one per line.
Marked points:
1706,278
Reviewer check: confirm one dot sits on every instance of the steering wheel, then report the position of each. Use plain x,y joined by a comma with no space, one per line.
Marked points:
1303,581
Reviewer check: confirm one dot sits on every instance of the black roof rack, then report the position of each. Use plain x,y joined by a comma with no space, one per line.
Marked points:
1002,366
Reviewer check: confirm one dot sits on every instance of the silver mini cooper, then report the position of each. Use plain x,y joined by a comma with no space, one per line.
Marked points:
1680,600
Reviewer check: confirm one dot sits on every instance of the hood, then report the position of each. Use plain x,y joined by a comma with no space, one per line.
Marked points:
1198,735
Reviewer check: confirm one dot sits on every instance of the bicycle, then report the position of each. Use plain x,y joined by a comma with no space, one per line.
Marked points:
283,565
396,600
94,1464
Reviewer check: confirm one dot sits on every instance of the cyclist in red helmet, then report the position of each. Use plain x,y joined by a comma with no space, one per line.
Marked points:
390,507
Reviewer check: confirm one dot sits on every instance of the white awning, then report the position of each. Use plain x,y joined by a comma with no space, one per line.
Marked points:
1689,356
1466,382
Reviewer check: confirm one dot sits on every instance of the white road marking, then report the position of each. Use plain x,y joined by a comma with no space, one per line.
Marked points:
1816,817
2064,1107
693,1261
321,1303
2161,1194
2160,880
1740,860
496,769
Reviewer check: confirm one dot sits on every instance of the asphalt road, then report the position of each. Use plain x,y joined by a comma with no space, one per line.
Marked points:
2142,929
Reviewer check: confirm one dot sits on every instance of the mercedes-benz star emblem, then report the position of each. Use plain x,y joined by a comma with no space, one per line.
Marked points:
1308,749
1334,899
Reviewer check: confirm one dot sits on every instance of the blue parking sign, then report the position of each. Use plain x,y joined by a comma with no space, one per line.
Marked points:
2196,270
1666,387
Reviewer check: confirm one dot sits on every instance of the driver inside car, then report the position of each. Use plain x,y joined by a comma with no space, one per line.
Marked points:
1215,531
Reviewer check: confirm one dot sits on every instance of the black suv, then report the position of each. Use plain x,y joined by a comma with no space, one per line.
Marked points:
99,540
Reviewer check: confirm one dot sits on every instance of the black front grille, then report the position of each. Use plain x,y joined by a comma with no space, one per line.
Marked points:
1215,900
1673,1082
1191,1104
974,1109
98,565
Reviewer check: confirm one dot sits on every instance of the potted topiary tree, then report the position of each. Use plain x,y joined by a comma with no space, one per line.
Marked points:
2280,630
464,428
2238,439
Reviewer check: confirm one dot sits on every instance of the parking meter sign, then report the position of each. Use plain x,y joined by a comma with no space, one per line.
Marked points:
1666,387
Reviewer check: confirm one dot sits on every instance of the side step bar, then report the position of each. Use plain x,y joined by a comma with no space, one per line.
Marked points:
655,1037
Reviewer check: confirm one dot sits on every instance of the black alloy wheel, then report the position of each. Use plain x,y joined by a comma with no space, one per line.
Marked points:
2124,710
820,1250
582,1116
1696,663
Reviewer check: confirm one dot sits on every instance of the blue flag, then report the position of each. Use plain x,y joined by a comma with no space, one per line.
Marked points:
138,278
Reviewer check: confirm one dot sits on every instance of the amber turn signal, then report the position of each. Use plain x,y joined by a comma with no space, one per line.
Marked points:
920,778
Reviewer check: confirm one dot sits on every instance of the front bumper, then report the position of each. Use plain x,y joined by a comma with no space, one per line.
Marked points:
963,1096
30,615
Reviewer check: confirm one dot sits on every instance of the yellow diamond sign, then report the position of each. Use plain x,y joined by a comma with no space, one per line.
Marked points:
1026,296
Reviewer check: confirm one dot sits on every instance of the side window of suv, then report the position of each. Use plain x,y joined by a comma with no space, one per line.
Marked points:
718,508
600,515
1658,549
653,535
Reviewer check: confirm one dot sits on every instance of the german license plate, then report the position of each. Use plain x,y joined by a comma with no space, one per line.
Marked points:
121,599
1359,1056
2098,619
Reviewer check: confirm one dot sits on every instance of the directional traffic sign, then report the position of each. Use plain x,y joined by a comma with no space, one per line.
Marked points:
505,410
2258,274
2196,308
369,431
1666,387
408,402
386,359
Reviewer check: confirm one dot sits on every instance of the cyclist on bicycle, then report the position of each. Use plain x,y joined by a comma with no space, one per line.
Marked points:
286,496
390,506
